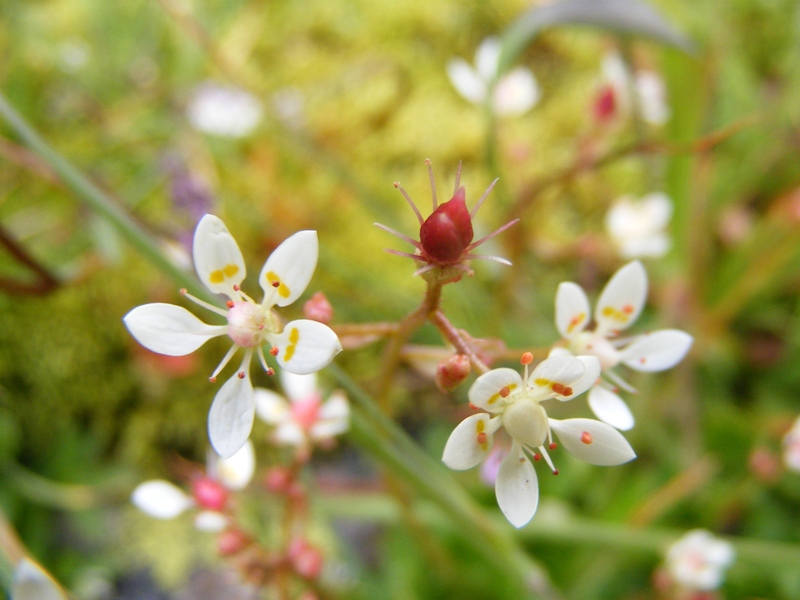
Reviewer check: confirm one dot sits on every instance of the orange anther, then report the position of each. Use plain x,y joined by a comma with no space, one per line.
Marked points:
184,291
482,437
270,371
275,284
567,391
212,379
553,446
586,437
558,388
240,374
396,184
526,359
555,472
504,392
229,304
274,351
537,457
236,287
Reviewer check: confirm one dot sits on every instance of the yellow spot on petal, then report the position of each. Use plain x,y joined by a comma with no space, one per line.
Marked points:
222,274
283,289
501,393
618,315
541,381
294,337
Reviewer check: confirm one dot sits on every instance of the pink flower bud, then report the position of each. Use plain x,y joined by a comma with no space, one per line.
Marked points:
209,494
318,309
232,541
605,104
446,234
305,558
452,372
278,480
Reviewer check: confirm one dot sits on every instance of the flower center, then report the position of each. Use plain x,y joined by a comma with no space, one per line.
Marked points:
596,345
249,323
306,411
526,421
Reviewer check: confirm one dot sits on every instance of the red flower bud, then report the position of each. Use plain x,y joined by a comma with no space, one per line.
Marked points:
452,371
209,494
318,309
232,541
306,559
446,234
605,104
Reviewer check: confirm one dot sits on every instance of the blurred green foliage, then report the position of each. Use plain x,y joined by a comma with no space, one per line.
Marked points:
107,83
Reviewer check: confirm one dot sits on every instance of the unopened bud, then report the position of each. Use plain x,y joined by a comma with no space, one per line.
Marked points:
209,494
305,558
605,104
447,232
452,372
232,541
318,309
278,480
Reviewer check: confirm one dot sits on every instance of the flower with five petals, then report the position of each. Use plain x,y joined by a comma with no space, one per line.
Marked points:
698,560
514,402
619,305
300,346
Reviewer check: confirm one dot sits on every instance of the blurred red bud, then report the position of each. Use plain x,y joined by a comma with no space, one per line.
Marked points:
232,541
277,480
605,104
318,309
305,558
209,494
452,372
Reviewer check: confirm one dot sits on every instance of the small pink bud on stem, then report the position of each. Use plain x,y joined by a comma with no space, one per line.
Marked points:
452,371
318,309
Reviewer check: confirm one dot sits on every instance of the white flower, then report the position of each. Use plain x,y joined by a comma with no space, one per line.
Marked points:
619,305
512,94
161,499
300,346
514,402
223,110
304,419
647,85
637,227
32,582
697,560
791,447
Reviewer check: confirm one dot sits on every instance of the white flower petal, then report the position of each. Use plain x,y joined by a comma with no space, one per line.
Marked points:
217,258
610,408
289,433
305,346
593,441
169,329
462,450
561,369
299,387
572,309
515,93
237,471
335,407
654,246
658,208
160,499
588,379
657,351
271,407
622,299
559,351
487,57
32,582
517,487
466,81
485,391
292,265
697,560
230,419
210,521
322,430
652,97
224,110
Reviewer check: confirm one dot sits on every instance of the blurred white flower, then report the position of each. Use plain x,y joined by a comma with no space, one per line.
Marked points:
224,110
303,419
647,85
791,447
698,560
73,55
513,94
637,227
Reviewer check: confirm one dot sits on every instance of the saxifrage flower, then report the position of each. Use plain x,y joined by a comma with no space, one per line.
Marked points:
638,227
619,305
514,402
698,560
302,346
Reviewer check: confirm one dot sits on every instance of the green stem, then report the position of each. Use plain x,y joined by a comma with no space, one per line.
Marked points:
98,201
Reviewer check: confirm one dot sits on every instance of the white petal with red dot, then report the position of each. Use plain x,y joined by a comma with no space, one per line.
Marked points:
466,81
169,329
299,387
32,582
517,487
160,499
305,346
657,351
610,408
291,265
217,258
622,299
572,309
230,419
469,443
237,471
271,408
590,376
488,389
553,374
593,441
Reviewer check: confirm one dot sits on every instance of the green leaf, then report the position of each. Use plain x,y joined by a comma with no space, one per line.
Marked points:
619,16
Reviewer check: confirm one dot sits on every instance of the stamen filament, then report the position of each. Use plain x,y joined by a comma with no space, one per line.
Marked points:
226,359
458,179
621,382
475,208
497,259
262,358
403,237
491,235
433,183
204,304
406,254
410,203
547,459
269,297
